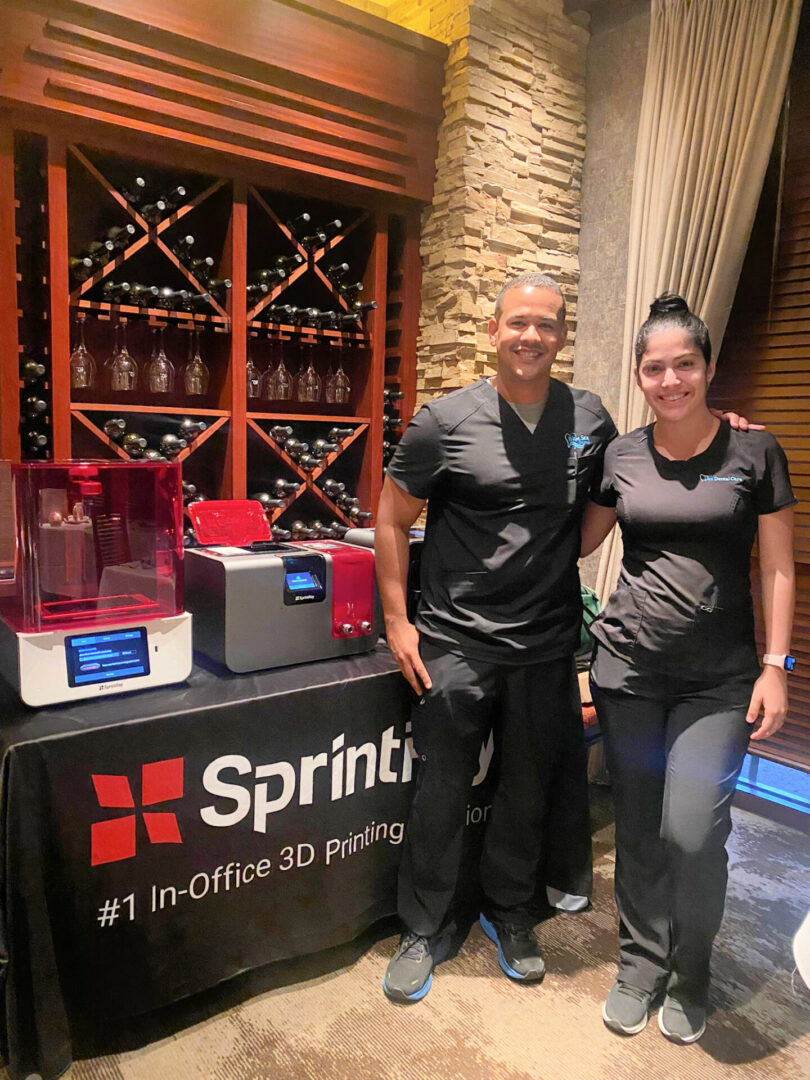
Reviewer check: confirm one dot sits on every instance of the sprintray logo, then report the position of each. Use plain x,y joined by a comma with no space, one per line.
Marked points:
114,839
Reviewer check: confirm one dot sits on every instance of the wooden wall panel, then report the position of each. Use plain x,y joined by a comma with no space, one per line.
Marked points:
287,83
764,368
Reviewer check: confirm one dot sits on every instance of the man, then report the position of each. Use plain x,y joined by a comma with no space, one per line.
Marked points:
505,466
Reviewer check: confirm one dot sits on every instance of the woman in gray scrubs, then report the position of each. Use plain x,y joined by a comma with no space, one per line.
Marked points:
676,680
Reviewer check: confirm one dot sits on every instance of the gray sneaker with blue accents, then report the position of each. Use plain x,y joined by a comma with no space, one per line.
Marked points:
518,951
410,970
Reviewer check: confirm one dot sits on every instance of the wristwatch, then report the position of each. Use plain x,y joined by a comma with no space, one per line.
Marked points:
781,660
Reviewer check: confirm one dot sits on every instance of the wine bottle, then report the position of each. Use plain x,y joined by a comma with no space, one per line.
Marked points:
278,312
194,301
268,501
80,266
283,487
182,247
304,316
338,528
220,285
360,515
294,224
120,236
337,271
331,228
201,268
134,444
333,488
136,192
34,440
294,446
189,537
189,490
392,395
280,433
268,276
116,292
321,447
171,444
280,534
150,454
31,370
368,305
143,294
173,198
300,531
350,292
313,241
391,422
170,298
101,251
33,406
257,291
153,212
289,262
338,434
114,428
308,462
351,320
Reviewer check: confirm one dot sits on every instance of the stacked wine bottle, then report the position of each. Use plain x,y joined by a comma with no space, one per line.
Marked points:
35,430
159,438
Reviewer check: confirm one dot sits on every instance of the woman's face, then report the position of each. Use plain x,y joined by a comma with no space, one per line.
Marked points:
673,375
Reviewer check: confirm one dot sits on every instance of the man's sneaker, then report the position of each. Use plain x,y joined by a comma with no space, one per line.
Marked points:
518,951
681,1021
410,970
625,1009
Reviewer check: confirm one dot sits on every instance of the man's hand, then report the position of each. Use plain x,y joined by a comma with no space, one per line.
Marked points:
739,423
403,641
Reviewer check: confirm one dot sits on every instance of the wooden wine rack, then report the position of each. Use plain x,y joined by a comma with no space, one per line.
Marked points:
336,139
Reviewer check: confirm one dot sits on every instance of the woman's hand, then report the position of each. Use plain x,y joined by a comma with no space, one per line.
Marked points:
770,698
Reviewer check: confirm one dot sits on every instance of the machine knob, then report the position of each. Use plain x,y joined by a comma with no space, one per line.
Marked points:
365,628
346,628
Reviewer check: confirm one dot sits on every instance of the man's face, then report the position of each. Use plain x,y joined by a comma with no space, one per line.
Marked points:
528,335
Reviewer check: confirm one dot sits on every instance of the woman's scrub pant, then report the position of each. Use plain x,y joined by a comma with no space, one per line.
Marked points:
674,749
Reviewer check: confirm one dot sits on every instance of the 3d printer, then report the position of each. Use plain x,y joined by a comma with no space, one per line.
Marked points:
91,587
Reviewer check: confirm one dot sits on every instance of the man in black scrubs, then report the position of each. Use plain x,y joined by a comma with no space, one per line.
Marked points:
506,466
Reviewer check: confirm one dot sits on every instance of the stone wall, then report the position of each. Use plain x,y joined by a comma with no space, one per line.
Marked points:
508,172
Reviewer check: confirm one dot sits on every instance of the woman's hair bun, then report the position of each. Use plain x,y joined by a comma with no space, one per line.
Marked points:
669,304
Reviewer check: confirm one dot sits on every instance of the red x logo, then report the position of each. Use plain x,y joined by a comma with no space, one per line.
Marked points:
114,839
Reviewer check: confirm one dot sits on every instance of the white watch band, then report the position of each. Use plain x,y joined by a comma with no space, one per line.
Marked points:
777,659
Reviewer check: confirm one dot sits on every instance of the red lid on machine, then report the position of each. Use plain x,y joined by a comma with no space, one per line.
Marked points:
233,522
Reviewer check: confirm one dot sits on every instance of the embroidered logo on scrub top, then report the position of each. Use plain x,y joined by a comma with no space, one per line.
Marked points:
577,442
721,479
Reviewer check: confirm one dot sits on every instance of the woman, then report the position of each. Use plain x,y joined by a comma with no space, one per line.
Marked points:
675,676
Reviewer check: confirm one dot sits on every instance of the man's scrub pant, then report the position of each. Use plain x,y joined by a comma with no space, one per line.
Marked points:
538,829
674,750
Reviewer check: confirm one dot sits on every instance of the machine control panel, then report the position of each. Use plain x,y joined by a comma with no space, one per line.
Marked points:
106,655
304,579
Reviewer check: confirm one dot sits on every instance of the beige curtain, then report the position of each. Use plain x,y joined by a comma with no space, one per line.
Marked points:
713,90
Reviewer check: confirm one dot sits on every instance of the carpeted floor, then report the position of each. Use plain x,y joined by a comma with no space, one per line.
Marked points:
335,1024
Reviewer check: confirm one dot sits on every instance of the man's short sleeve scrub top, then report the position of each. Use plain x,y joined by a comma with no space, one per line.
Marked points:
499,564
683,602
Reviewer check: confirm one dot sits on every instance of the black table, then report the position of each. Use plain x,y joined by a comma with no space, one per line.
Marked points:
158,843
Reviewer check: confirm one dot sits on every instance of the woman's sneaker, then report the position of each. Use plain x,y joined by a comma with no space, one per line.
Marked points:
410,970
681,1021
626,1008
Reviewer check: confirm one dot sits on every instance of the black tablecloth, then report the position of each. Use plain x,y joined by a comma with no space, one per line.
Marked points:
157,843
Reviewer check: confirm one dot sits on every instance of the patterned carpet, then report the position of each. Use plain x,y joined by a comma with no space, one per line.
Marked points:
333,1023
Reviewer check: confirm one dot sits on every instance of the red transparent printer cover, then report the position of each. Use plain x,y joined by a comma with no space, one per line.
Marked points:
94,542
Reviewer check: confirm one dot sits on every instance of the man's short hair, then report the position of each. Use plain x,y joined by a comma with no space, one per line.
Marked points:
537,281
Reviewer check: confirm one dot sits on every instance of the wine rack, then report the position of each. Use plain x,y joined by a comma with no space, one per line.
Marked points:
232,266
